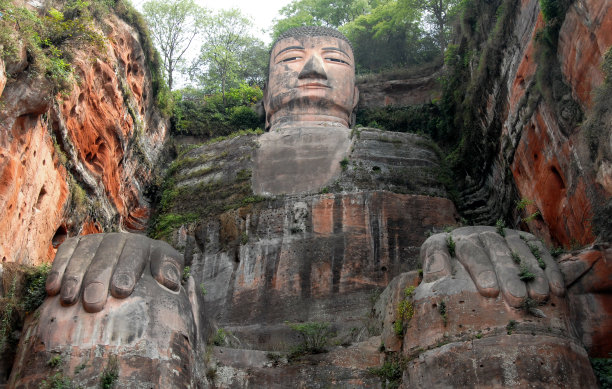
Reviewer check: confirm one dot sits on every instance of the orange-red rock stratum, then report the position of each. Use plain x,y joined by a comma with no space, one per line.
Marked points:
79,163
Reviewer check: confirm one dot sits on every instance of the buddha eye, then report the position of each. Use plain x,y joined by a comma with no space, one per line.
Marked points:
338,60
289,59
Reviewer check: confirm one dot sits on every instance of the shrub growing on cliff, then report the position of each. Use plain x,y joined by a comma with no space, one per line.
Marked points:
315,337
49,38
602,367
110,373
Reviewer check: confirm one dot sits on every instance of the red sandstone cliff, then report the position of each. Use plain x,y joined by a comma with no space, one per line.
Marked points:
76,163
542,141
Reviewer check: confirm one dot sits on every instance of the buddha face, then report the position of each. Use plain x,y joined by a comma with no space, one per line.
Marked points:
311,79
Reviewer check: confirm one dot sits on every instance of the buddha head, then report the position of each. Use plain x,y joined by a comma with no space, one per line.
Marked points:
311,79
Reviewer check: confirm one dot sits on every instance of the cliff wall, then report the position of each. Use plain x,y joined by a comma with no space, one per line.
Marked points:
77,162
534,116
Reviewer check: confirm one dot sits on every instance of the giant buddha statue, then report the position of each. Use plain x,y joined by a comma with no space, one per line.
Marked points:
309,254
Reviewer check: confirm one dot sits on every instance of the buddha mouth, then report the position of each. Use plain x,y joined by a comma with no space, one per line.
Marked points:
314,85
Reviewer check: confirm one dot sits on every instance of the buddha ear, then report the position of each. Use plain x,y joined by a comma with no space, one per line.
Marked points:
355,97
266,105
353,115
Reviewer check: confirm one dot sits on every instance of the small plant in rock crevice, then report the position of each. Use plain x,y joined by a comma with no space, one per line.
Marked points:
525,274
390,372
443,312
186,274
54,361
501,227
344,164
450,244
511,326
110,374
536,253
405,311
220,337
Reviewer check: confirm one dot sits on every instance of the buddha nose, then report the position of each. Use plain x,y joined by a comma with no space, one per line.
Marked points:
313,69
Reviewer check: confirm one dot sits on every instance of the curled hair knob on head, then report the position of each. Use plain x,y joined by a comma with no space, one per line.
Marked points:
312,31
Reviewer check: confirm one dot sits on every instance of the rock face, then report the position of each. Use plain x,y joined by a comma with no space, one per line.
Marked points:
347,251
420,88
258,263
541,140
79,163
456,337
312,258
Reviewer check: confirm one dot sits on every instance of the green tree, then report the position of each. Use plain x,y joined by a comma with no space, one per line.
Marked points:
229,55
389,35
331,13
437,13
174,25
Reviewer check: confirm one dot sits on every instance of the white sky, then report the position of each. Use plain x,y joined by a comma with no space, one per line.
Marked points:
262,12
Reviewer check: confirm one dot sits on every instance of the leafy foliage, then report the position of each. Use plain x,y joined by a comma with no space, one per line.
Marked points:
173,25
450,245
603,371
230,54
390,372
525,274
49,38
57,381
204,115
24,295
405,311
423,118
110,374
219,338
315,336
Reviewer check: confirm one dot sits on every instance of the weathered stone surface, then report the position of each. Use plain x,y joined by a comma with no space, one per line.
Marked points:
105,140
518,360
152,334
312,258
588,277
541,142
464,335
409,90
342,367
296,160
583,40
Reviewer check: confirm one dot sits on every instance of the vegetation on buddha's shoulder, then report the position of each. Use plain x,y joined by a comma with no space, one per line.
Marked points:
197,187
424,119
